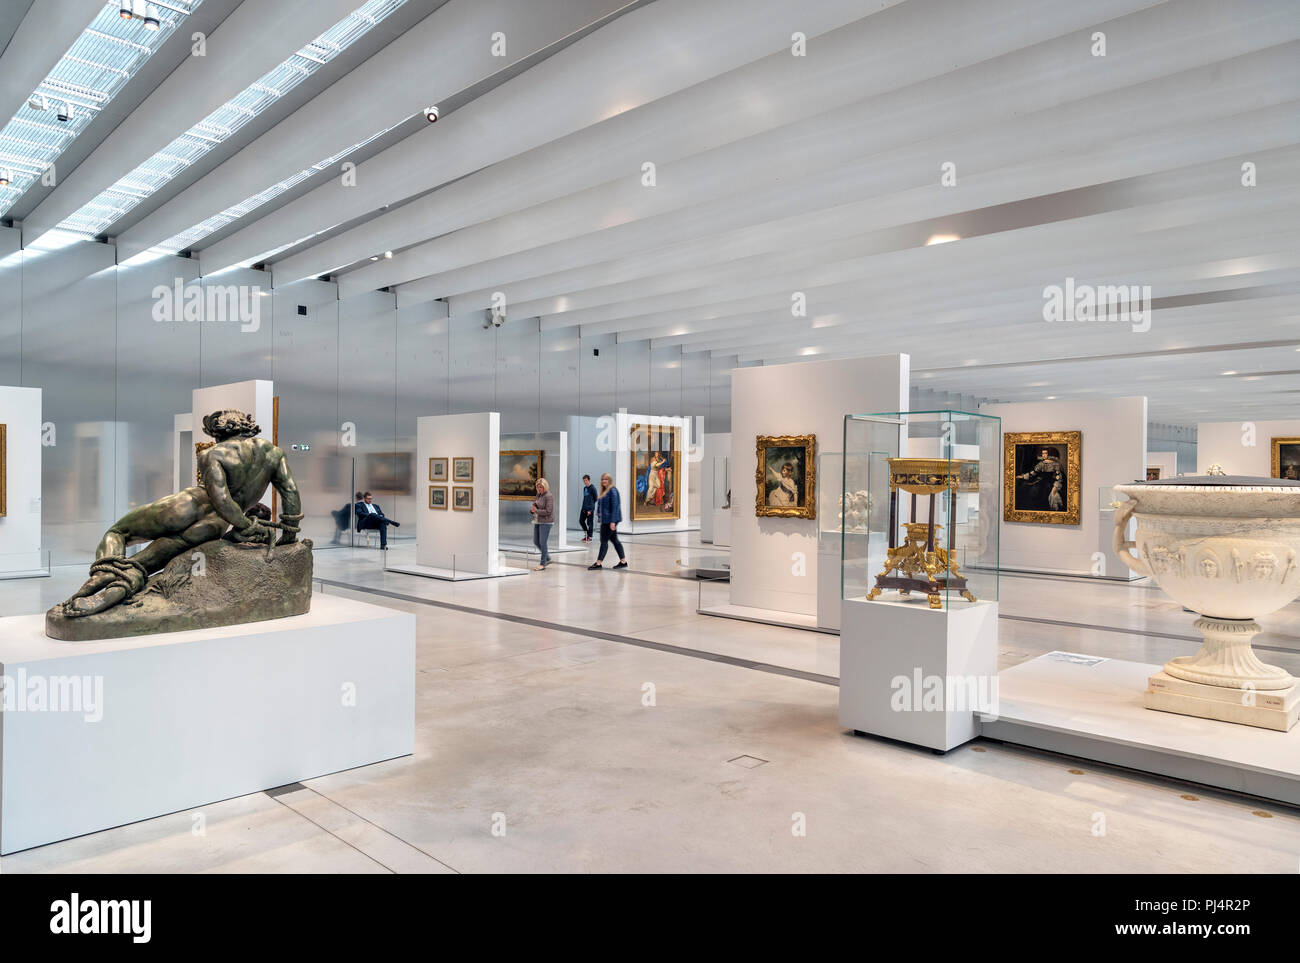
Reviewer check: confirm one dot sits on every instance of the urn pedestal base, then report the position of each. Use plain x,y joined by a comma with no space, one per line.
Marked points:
1266,709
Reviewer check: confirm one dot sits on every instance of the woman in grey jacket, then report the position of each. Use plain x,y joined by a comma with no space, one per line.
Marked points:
544,516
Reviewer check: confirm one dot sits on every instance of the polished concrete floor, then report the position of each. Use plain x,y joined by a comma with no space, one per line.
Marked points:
536,752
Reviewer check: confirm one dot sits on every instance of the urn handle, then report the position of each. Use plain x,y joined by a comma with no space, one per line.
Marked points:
1123,512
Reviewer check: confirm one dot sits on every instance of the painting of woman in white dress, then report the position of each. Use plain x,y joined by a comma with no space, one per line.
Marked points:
786,473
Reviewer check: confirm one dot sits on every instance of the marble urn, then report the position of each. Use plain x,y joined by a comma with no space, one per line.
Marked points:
1228,548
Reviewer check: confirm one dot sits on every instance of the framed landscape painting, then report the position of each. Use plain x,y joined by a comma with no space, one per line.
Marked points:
437,469
438,497
656,453
1042,477
462,498
1286,458
786,476
518,474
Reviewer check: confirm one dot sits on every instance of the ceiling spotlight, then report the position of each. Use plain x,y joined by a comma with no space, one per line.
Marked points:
374,257
124,10
65,113
151,21
4,178
388,255
431,114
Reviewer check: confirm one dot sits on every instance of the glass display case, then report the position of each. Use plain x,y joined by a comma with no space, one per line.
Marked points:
830,501
922,519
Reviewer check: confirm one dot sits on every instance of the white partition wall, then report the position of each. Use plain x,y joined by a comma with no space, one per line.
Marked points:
256,398
623,423
715,527
20,526
774,563
451,544
1166,461
1114,448
1241,447
590,453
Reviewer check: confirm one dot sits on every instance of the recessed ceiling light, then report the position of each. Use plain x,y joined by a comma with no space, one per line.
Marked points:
1228,374
388,255
942,239
374,257
1051,397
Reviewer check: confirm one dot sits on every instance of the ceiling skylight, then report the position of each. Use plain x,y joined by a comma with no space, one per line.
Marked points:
97,65
157,171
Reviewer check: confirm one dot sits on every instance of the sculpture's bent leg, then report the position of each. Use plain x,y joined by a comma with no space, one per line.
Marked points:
124,576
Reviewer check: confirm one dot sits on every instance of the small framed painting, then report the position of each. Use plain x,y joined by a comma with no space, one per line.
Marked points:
1153,472
462,469
438,496
437,469
786,476
1286,458
462,498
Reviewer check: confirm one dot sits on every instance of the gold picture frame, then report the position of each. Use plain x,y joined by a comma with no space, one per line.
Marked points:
1277,467
4,471
438,469
458,466
514,489
1153,472
440,490
657,458
1018,452
199,448
775,455
459,491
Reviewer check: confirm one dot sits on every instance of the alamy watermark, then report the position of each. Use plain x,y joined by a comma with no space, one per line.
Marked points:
213,303
1106,302
33,692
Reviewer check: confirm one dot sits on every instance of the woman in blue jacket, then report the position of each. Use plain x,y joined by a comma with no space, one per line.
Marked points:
609,512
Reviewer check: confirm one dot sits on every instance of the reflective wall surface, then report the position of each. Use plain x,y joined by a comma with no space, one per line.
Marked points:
117,356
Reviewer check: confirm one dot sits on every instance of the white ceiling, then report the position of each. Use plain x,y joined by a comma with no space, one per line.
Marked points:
818,174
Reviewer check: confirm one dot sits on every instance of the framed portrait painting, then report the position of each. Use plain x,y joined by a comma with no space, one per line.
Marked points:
518,473
1042,477
656,453
462,498
438,497
1153,472
437,469
1286,458
786,476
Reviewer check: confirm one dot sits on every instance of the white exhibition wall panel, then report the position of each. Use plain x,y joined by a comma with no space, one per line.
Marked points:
256,398
1241,447
446,538
1166,461
774,560
626,482
716,450
1113,448
20,526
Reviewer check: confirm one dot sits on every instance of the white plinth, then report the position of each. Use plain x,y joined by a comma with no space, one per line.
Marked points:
1093,708
1268,709
192,718
917,674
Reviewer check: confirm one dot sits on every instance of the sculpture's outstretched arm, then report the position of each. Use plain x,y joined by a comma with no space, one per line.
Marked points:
291,510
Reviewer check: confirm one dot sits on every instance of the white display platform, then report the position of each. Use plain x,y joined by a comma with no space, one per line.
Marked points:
749,613
1092,708
894,654
454,575
191,718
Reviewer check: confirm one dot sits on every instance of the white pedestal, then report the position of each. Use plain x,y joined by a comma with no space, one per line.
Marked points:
830,590
1268,709
162,723
1093,708
917,674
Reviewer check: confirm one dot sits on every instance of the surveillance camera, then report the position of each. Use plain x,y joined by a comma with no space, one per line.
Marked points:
431,114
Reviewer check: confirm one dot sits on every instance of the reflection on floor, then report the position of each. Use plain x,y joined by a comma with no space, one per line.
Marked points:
538,719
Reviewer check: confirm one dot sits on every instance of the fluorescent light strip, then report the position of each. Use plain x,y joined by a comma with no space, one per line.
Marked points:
100,62
230,117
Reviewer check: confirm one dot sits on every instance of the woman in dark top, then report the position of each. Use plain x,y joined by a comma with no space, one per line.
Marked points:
609,512
544,515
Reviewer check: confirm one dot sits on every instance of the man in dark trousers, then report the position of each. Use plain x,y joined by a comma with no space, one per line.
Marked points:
588,512
370,515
